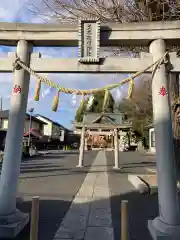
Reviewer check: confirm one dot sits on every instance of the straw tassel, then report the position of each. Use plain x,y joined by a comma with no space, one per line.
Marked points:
82,101
55,102
106,98
131,88
37,90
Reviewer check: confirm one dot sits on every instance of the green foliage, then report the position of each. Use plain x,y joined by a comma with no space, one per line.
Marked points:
97,106
139,109
80,111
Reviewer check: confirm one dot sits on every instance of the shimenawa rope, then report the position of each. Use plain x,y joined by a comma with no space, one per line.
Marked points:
105,89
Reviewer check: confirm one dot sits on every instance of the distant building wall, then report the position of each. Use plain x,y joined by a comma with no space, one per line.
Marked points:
34,125
152,143
47,128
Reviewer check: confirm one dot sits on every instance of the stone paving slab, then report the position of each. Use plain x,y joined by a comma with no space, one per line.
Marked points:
89,216
100,233
100,217
105,204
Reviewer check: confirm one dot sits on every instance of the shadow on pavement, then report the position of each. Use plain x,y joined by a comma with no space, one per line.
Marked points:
58,171
71,153
140,163
140,210
43,157
42,170
134,165
51,215
59,152
40,166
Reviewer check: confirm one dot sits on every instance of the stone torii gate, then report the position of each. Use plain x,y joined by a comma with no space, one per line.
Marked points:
90,36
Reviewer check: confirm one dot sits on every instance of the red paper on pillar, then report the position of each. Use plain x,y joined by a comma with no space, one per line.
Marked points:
163,91
17,89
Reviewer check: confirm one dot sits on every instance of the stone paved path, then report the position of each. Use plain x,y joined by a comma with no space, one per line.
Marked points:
89,216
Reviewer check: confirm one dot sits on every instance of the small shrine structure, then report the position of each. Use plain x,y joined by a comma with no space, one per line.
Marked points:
101,130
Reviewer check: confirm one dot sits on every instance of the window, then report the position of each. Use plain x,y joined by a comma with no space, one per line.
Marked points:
125,117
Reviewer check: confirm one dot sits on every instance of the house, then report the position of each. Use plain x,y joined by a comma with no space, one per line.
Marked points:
52,128
36,124
57,132
43,131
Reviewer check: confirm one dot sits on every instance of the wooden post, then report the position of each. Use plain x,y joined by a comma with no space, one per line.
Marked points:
34,219
124,220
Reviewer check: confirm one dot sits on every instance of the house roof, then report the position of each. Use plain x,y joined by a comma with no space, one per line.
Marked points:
106,118
35,119
5,114
53,122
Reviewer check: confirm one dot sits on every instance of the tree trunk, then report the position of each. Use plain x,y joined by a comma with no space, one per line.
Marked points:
174,95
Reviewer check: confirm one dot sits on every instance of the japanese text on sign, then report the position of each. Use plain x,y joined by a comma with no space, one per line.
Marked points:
89,39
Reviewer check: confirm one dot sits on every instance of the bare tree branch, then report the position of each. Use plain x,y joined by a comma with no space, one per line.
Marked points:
69,11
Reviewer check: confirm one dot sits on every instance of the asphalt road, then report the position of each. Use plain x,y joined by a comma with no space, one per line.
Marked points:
55,178
140,208
132,162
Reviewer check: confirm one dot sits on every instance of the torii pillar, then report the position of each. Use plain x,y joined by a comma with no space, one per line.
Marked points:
116,149
81,149
167,224
12,221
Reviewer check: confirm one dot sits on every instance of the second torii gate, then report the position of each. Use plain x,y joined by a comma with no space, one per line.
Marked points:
89,35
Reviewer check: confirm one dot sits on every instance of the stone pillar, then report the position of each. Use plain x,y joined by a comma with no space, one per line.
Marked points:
12,220
167,223
112,142
85,147
81,149
116,149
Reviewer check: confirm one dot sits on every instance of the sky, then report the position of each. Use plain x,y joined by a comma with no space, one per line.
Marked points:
19,12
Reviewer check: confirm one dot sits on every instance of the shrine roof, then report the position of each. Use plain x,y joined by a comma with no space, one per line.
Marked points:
102,118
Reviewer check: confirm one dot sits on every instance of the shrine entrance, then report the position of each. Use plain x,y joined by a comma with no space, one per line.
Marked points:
160,39
102,131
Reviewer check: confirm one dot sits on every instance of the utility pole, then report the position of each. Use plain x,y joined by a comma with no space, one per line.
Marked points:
30,123
1,103
1,107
